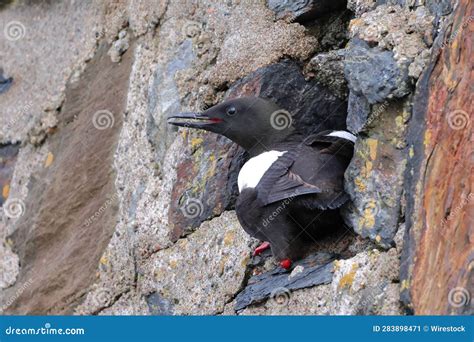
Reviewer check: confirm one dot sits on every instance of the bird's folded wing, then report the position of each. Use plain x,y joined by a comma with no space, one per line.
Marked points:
332,144
283,181
279,183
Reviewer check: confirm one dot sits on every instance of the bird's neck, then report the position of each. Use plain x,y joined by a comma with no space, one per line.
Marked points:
264,143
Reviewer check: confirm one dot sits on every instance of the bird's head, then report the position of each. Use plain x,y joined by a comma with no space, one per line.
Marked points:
251,122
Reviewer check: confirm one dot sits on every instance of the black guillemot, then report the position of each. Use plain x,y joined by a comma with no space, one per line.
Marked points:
292,185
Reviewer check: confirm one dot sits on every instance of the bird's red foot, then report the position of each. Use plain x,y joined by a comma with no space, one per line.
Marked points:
285,263
263,246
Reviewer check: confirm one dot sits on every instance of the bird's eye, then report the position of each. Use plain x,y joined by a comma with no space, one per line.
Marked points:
231,111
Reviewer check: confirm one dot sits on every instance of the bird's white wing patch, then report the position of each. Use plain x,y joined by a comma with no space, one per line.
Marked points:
254,169
343,135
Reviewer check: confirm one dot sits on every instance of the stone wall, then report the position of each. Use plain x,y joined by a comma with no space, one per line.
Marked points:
109,210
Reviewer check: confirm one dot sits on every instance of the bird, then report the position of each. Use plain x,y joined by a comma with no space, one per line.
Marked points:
292,185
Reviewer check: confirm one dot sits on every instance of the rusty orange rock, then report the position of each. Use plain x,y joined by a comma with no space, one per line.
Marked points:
438,261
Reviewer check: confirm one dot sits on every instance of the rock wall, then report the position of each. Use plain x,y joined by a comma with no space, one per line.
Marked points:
108,210
440,234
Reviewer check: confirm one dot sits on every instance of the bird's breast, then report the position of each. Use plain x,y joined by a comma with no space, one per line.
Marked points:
254,169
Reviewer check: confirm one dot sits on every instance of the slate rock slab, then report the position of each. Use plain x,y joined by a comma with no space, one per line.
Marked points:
8,156
374,73
317,270
358,113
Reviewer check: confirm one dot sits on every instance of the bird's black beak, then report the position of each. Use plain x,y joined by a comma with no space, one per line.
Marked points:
193,120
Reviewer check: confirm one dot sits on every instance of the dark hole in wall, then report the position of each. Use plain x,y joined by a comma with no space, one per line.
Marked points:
331,29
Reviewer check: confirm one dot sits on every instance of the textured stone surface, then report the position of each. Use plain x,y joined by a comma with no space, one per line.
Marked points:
9,267
130,304
439,7
73,196
374,179
373,73
44,83
331,30
361,6
200,274
439,213
436,7
388,49
119,47
406,33
158,305
328,69
241,54
196,195
358,112
164,99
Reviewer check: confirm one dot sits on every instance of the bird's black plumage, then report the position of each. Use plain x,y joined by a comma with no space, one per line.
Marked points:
296,198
